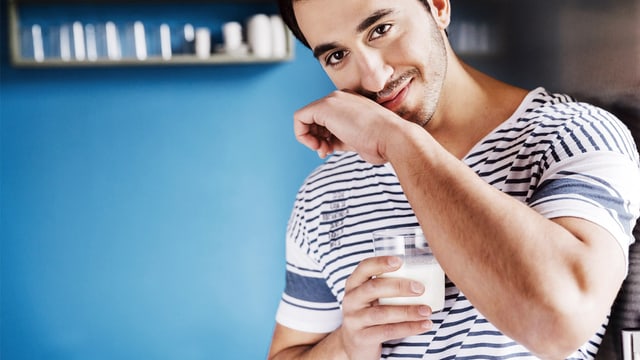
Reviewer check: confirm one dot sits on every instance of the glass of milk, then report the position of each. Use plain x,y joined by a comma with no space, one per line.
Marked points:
418,264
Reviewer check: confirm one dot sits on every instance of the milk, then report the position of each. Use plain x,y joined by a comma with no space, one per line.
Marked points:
428,273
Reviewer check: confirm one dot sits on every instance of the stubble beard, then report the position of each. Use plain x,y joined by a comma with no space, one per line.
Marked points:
432,82
433,86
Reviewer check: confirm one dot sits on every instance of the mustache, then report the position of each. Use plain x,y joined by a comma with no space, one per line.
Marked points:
390,86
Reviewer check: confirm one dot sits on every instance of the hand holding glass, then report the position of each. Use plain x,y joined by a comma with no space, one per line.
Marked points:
419,264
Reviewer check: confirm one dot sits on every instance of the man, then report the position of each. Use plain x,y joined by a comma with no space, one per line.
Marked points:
526,198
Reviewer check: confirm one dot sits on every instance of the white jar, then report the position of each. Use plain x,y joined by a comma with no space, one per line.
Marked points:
259,35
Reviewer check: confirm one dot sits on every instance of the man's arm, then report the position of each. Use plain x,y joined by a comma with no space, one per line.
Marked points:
547,284
292,344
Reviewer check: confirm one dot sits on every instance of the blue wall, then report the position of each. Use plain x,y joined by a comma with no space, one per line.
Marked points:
143,209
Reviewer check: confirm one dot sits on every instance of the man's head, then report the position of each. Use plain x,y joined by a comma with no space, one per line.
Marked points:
392,52
289,18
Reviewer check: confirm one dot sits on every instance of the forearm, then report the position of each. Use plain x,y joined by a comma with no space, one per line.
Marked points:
498,251
329,347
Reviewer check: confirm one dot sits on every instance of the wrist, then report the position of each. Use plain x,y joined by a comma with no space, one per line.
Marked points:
338,345
405,142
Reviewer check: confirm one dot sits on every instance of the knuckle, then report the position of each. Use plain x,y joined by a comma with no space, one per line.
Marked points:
348,285
408,312
389,331
400,287
374,285
359,341
377,314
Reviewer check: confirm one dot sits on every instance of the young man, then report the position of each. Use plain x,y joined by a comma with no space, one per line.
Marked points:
526,198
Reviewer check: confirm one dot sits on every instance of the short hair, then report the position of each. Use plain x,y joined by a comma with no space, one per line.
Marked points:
289,18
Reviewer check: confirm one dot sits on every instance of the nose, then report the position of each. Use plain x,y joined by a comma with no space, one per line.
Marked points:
374,72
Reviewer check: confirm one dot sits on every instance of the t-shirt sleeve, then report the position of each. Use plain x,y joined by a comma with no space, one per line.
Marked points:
600,186
307,303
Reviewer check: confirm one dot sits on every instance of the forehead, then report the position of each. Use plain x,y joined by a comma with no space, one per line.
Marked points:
331,20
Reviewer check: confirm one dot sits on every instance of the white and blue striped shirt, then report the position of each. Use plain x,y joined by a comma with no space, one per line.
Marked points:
561,157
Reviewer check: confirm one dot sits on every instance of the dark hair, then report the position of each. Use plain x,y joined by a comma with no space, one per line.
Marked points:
289,18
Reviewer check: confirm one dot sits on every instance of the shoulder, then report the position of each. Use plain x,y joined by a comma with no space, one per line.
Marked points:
576,126
556,109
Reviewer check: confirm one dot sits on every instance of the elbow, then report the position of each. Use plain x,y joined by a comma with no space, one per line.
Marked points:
571,313
566,328
556,348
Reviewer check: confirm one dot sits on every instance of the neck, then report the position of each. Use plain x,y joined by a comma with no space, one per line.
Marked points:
471,105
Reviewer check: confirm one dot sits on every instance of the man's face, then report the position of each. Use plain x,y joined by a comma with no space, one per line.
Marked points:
389,51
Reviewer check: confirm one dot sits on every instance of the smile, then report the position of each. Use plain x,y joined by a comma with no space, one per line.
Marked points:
395,99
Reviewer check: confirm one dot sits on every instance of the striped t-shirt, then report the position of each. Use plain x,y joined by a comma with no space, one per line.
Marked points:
561,157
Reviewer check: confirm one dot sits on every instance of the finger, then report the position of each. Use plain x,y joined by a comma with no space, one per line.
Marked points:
311,134
376,288
332,144
392,314
320,131
326,146
304,134
386,332
386,287
371,267
325,139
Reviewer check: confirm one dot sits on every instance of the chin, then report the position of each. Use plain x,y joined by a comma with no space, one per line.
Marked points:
418,117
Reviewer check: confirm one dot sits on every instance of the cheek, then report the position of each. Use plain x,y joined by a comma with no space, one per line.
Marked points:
346,78
338,80
408,50
417,42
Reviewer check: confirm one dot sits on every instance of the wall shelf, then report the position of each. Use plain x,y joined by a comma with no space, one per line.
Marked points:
27,50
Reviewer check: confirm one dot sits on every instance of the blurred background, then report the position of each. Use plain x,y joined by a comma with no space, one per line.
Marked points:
143,206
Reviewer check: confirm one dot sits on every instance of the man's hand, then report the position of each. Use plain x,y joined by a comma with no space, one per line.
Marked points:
345,121
366,324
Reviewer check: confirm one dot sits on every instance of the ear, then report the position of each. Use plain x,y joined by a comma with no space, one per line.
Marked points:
441,11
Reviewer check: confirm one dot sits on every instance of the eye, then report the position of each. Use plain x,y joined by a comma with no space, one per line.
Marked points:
379,31
335,58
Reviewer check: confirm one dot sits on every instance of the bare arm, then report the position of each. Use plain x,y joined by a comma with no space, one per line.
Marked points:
550,298
291,344
548,284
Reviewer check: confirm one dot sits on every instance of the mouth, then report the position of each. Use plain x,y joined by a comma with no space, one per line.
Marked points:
393,96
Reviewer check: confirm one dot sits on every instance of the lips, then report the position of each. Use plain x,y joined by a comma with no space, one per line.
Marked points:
393,100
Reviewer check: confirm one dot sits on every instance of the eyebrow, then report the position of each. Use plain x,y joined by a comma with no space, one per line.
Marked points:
364,25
